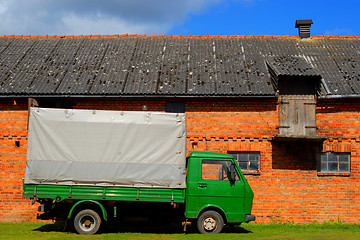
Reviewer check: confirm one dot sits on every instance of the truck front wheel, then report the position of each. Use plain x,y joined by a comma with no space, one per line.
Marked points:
210,222
87,222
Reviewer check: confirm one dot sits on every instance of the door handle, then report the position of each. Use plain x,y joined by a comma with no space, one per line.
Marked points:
202,185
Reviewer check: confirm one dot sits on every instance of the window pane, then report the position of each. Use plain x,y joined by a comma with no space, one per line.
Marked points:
333,166
332,157
323,157
344,157
243,165
243,156
324,167
343,167
254,165
254,156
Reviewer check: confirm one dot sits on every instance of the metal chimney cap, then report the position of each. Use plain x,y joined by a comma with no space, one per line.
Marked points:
303,22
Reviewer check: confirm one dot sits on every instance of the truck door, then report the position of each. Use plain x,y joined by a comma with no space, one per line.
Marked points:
215,188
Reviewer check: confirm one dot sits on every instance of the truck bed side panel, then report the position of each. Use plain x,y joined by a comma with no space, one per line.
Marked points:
104,193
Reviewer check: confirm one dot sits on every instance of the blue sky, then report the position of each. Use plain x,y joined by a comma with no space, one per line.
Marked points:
274,17
269,17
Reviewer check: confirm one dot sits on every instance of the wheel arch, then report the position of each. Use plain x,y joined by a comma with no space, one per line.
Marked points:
216,209
81,203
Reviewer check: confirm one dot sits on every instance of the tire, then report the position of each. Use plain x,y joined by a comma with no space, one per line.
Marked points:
87,222
210,222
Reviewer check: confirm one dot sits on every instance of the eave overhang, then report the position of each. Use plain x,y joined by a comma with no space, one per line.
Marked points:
292,138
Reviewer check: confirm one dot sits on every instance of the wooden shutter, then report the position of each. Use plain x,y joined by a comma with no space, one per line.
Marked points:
297,115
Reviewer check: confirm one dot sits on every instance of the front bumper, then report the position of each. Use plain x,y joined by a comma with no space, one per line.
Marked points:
249,218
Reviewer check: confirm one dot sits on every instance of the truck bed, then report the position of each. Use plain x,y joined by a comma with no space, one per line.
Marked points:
103,193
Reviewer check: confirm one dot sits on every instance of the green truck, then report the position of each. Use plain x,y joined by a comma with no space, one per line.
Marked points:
88,167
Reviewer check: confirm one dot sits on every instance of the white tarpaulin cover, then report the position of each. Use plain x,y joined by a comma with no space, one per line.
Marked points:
106,148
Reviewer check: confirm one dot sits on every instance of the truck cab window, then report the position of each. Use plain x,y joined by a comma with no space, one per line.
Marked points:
216,170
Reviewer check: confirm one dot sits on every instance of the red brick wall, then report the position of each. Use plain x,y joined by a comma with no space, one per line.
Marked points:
287,187
13,124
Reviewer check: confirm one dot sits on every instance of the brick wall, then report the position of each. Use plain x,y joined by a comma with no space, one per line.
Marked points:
287,187
13,125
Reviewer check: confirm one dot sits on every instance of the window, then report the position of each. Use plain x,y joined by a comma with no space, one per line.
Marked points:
334,162
248,161
216,170
175,107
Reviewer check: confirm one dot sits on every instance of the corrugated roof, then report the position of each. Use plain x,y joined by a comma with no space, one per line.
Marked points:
291,66
168,66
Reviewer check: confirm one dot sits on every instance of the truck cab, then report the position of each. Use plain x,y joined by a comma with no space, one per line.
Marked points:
217,192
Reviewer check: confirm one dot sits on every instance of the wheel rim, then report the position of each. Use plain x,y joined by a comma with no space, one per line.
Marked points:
87,223
209,224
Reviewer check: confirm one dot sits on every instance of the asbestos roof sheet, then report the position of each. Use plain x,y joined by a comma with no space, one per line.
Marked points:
290,66
169,66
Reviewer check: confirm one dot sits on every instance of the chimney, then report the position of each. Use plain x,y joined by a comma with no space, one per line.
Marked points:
304,28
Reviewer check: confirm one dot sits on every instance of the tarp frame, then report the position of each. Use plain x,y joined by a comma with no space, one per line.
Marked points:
106,148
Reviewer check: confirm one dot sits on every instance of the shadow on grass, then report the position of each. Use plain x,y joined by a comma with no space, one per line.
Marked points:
51,227
140,227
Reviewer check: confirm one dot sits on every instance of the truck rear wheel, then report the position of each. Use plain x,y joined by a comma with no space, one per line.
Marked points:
87,222
210,222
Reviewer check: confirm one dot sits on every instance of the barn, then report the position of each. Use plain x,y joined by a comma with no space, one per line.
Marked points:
286,107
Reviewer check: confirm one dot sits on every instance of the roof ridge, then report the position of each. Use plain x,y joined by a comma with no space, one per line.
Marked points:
172,36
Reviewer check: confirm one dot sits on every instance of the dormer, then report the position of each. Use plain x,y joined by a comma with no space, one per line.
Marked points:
297,84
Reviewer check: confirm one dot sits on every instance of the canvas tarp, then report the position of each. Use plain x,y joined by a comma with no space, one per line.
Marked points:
106,148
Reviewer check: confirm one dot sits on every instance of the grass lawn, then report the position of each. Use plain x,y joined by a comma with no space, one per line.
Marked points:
142,230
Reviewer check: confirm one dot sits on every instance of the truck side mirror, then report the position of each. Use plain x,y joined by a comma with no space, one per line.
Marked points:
232,173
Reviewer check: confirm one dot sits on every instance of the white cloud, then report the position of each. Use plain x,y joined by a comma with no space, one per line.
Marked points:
72,23
96,17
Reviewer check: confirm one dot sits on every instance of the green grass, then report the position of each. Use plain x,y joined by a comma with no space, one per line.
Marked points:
142,230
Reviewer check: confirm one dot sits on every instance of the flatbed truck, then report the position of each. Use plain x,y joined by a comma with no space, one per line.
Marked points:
215,193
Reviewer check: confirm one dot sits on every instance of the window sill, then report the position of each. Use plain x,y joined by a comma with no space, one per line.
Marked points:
257,172
334,174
